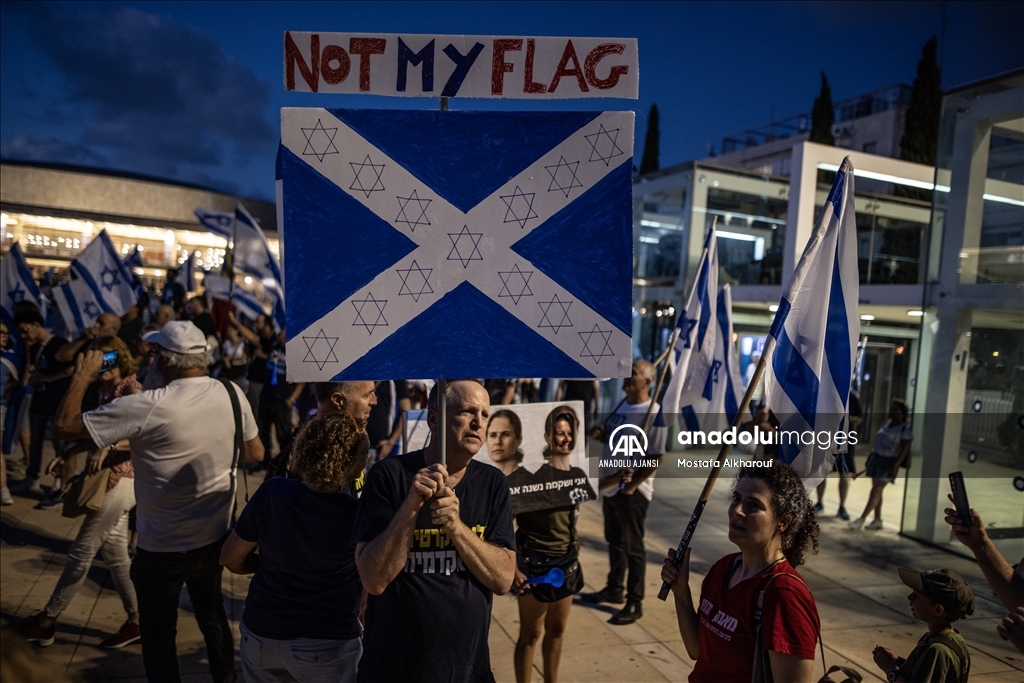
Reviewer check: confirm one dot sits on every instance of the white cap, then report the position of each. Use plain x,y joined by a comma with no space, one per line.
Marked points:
179,336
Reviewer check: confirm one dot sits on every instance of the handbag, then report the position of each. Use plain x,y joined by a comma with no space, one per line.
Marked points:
86,493
762,671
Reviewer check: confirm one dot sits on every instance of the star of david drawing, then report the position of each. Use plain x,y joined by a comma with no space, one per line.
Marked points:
319,141
520,207
415,285
320,349
594,339
515,283
365,312
108,278
17,294
465,246
603,145
550,309
563,176
367,173
412,211
91,309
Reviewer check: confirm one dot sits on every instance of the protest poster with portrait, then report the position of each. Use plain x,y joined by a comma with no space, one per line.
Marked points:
541,449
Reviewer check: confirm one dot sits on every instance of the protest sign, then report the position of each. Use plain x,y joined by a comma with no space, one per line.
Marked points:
533,483
457,244
412,65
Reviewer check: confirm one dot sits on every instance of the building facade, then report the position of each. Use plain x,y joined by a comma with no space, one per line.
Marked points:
941,286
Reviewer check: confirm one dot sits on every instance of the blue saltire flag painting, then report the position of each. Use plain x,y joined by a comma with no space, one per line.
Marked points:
456,244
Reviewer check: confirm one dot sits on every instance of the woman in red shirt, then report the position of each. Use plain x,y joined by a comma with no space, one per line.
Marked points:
771,521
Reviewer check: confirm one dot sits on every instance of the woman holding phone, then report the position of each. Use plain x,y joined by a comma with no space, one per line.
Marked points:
105,528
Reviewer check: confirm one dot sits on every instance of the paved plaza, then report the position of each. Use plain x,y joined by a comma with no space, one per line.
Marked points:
859,595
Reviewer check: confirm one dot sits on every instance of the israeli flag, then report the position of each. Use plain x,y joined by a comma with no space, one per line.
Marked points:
219,287
693,355
189,273
810,370
17,285
101,269
218,222
78,304
133,259
251,251
723,385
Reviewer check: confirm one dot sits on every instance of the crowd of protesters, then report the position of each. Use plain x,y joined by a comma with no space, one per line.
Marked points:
372,564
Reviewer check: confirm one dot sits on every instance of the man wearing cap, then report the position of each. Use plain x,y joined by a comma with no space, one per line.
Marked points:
939,597
182,440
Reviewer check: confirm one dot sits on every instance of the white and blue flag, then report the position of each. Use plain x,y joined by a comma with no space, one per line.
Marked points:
133,259
101,270
693,355
218,222
723,385
810,370
251,252
78,305
188,270
219,287
455,244
17,285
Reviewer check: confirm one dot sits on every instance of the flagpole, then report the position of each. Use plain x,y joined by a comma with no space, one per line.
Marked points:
442,389
709,485
661,375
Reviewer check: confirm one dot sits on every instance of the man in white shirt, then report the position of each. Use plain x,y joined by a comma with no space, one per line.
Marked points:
182,441
626,493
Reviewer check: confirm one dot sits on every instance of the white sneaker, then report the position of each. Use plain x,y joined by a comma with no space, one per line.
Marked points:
875,525
855,525
27,485
5,496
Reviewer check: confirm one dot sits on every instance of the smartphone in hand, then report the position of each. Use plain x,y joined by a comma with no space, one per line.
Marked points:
963,508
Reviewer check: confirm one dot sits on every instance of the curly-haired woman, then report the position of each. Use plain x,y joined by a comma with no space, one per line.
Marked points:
301,618
772,522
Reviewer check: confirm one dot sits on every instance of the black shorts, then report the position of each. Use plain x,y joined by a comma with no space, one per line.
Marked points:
844,463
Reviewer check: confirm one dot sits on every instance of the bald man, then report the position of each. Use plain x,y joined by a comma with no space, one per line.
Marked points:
626,495
107,325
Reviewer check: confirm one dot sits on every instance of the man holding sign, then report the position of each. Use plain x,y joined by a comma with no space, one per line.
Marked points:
434,543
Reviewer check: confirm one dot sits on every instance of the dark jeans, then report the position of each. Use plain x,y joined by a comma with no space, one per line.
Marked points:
38,424
278,416
624,518
158,578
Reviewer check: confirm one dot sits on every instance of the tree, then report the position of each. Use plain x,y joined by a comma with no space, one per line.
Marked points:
921,123
652,141
823,115
921,127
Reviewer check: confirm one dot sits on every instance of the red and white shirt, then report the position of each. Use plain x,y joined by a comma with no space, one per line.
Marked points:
789,621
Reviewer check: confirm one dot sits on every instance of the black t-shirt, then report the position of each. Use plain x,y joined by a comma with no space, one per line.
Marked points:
430,624
380,423
204,321
47,396
130,331
258,366
306,585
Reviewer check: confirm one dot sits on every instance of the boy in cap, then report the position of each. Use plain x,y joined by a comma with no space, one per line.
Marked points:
939,597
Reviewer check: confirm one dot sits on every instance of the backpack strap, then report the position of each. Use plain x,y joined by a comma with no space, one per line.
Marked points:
956,647
759,608
236,411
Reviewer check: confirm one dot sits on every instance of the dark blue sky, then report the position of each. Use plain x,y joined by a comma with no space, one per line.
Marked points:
191,90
